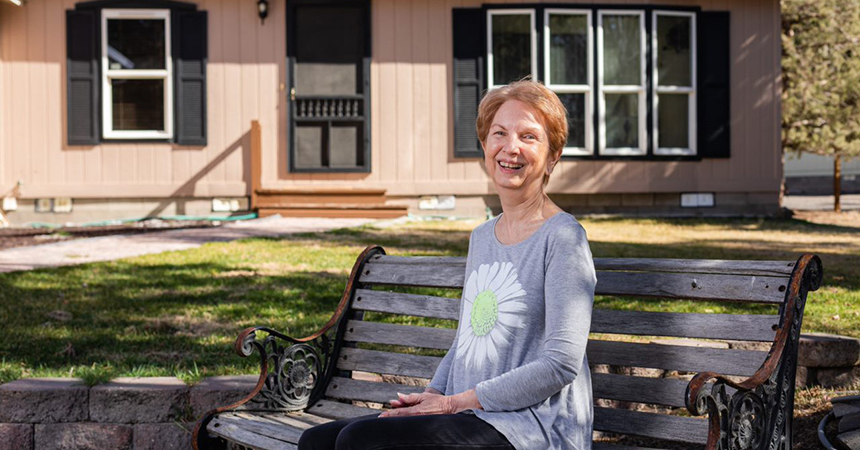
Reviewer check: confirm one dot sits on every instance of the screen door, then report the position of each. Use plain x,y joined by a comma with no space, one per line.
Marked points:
328,55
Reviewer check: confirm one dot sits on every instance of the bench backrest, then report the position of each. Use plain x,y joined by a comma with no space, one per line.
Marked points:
636,379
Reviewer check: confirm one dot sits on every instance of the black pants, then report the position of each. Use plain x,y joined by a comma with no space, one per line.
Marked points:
434,432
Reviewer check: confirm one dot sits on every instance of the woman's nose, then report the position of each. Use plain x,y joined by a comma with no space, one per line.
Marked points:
512,145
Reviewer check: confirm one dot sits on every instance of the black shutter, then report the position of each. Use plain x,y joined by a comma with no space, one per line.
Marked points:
714,135
468,79
82,78
189,63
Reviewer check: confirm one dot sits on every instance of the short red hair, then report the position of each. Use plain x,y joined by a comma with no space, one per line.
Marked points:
534,94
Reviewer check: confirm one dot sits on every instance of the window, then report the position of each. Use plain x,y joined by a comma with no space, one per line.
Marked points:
674,102
568,68
621,80
136,74
511,45
627,76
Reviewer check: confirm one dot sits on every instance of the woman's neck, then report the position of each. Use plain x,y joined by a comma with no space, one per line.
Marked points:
523,215
521,210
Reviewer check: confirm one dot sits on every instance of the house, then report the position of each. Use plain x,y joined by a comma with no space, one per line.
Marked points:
366,107
812,174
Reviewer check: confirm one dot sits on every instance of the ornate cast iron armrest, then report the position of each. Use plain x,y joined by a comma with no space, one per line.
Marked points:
761,407
293,371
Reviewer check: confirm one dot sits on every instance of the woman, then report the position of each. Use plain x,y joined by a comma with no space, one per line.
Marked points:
516,375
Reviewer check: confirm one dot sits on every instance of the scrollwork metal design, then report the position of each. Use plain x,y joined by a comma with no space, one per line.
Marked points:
293,371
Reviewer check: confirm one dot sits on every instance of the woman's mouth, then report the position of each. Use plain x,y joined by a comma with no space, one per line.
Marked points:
510,166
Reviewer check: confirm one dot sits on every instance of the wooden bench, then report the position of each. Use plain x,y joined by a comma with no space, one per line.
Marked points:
747,395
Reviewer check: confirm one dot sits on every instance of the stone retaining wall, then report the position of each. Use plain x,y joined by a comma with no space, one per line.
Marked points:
125,414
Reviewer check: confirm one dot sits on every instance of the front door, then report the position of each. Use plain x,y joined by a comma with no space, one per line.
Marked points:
328,56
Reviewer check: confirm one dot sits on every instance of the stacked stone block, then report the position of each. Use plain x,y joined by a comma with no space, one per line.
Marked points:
125,414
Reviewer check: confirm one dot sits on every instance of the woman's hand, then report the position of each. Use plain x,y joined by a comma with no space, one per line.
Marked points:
430,403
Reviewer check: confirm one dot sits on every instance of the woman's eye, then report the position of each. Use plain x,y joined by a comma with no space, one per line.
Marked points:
529,136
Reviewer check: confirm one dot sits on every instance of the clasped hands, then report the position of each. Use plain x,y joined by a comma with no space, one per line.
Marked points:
431,402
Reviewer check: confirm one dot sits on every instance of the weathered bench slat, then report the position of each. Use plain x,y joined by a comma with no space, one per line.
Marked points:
751,288
675,357
736,327
410,336
654,356
297,420
715,266
337,410
368,391
240,435
690,325
407,304
657,391
766,268
736,288
262,426
659,426
388,363
654,391
413,275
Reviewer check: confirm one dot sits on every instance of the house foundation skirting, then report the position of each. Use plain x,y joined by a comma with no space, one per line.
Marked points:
743,204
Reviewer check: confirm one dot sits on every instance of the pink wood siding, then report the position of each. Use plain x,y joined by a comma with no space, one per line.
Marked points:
411,104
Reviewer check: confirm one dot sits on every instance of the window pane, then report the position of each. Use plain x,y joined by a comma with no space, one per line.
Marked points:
622,120
511,47
673,120
568,62
136,44
575,105
673,51
346,144
622,62
310,139
138,104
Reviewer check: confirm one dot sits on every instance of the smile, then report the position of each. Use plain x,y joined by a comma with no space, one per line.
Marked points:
510,165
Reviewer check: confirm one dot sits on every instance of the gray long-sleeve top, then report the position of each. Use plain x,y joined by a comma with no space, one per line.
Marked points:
525,315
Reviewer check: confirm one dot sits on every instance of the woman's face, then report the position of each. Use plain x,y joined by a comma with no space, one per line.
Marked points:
516,150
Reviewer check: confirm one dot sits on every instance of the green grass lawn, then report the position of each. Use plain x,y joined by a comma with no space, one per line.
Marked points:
178,313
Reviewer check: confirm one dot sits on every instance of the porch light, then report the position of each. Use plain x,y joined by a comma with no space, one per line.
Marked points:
263,9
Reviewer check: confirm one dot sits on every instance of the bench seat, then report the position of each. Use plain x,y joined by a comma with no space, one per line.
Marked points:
281,431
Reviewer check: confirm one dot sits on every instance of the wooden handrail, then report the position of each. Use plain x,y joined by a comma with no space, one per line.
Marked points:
256,161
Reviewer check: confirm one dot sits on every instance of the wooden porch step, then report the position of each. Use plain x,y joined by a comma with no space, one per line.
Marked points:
370,211
308,195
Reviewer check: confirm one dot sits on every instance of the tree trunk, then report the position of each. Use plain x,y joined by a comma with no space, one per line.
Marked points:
837,183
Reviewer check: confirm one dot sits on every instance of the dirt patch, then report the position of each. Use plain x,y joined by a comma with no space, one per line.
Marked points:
23,237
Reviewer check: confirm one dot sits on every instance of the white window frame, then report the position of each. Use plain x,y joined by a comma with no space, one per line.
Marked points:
677,90
586,89
533,27
641,89
109,74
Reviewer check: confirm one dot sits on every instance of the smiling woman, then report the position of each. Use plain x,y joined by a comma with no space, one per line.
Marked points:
516,375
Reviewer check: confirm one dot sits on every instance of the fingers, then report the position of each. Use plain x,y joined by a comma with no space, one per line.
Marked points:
405,400
402,412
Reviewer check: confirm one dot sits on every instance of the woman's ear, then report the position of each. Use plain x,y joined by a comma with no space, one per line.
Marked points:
551,162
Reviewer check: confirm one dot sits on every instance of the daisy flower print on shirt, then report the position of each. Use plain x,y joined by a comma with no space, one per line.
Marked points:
491,310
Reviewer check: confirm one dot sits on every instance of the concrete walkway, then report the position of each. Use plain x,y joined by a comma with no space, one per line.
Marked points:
107,248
